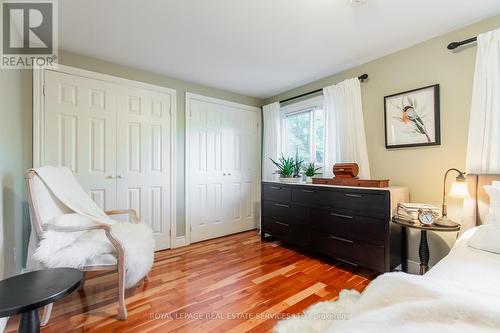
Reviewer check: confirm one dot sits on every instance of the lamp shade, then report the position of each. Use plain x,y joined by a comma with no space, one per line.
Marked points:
459,189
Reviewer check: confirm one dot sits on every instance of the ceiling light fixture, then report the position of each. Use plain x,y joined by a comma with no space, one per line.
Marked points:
356,3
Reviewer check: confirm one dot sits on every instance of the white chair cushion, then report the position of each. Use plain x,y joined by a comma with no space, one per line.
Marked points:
102,260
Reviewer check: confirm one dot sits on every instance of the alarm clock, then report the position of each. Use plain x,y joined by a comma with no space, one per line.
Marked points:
426,216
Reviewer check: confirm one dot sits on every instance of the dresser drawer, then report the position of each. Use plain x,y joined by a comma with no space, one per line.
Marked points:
350,250
358,227
285,211
347,223
276,192
360,202
313,196
286,231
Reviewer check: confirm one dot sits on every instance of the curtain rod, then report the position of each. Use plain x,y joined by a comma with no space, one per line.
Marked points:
361,78
454,45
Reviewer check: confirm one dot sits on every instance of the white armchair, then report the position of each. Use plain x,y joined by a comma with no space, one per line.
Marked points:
44,207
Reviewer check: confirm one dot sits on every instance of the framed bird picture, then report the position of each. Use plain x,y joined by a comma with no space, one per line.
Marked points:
412,118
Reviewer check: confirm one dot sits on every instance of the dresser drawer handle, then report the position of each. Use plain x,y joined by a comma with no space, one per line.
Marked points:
342,239
350,195
283,224
281,205
275,188
342,216
346,261
307,191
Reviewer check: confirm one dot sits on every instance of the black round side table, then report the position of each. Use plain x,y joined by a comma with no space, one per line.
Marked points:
25,293
423,250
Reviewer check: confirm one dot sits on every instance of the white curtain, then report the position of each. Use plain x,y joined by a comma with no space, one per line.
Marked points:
272,139
483,149
345,139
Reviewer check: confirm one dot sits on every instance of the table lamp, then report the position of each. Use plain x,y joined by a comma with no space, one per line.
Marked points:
458,189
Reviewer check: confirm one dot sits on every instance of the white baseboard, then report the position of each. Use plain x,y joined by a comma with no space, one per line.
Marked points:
3,323
180,241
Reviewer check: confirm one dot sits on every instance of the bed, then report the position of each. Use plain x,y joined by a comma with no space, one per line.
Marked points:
461,293
465,265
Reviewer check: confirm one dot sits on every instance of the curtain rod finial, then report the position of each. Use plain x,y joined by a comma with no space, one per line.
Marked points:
454,45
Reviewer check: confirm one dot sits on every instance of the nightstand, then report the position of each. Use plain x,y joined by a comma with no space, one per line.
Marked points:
424,247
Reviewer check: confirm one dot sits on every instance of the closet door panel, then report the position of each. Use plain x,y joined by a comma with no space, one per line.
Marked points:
243,166
116,138
143,163
224,164
80,118
208,187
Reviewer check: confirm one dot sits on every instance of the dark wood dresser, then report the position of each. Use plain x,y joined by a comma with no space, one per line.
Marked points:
351,225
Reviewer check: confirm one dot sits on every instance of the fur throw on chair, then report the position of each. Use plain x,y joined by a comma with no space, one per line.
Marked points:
78,249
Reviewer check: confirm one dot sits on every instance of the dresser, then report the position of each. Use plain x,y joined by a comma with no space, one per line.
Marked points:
352,225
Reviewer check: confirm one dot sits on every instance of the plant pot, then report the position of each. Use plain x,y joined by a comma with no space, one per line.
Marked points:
309,180
291,180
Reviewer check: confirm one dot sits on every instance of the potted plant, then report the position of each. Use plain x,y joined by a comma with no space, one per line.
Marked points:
310,171
297,166
288,169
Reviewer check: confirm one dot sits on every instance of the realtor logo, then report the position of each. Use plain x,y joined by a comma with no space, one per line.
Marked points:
29,34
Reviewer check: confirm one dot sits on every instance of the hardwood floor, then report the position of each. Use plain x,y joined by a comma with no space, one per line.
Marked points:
231,284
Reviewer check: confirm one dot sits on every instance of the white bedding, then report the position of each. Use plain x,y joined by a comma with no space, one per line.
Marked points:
474,269
459,294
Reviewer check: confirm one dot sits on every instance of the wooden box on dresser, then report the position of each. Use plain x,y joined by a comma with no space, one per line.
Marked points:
352,225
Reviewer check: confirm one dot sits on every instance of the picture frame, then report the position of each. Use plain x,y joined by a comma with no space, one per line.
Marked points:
412,118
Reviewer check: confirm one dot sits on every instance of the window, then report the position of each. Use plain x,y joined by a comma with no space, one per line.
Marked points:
303,130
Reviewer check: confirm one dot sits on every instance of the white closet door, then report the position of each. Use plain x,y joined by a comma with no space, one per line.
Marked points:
80,132
143,158
242,167
223,168
116,138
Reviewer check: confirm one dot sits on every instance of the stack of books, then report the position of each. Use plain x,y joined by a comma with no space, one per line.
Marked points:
409,211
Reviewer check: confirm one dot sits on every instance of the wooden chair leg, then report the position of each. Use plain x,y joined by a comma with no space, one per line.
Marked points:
47,310
82,285
122,308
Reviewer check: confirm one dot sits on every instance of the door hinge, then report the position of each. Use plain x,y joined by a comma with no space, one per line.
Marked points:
43,90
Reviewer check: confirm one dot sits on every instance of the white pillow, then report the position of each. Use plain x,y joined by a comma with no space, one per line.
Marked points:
486,238
494,193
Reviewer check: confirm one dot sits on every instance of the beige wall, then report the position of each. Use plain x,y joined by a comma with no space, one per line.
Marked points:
421,169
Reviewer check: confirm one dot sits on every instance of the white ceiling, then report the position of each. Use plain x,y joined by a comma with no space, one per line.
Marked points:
256,47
